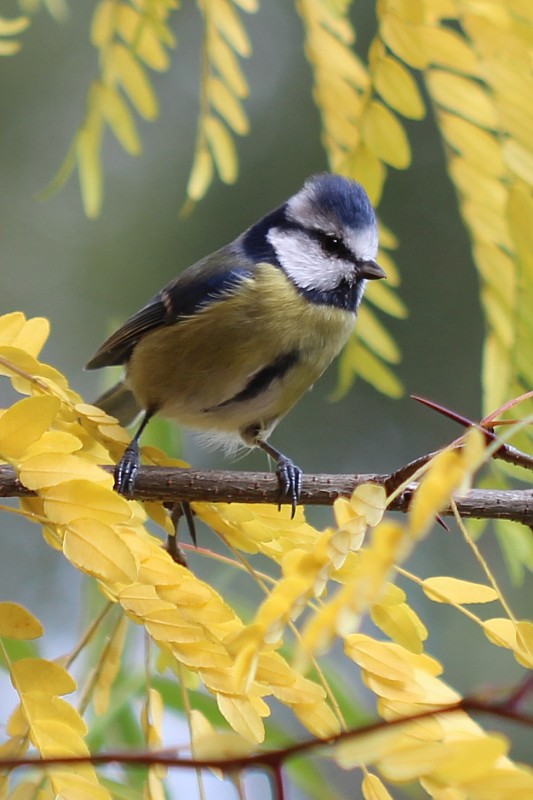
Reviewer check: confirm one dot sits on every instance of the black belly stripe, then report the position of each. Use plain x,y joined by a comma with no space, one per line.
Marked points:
262,380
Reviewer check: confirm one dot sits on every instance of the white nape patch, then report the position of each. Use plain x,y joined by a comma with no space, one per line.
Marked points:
304,261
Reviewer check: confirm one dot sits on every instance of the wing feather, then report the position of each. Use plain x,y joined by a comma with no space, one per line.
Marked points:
193,289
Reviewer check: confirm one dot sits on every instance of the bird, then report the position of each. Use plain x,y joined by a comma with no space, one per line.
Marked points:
234,341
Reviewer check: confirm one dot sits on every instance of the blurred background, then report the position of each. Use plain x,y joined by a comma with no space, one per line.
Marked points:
86,277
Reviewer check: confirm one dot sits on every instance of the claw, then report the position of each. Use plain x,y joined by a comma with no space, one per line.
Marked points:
126,470
128,466
290,483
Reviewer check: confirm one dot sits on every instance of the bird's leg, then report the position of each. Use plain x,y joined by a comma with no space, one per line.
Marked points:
289,476
128,466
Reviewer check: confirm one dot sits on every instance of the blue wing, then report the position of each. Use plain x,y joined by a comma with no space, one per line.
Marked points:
195,288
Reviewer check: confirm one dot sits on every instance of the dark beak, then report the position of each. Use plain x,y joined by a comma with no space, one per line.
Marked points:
370,270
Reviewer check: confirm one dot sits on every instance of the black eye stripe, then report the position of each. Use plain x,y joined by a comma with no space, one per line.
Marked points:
332,245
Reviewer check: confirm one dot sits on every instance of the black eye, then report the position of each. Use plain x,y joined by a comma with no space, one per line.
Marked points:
332,245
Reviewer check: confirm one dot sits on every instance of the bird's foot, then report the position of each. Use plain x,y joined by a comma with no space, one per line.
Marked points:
290,483
126,470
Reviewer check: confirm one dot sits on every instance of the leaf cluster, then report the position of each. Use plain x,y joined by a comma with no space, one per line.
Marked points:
328,582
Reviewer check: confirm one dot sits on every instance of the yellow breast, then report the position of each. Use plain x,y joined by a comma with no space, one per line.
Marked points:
190,371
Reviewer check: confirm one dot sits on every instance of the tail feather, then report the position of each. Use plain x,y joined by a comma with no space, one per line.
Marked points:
119,402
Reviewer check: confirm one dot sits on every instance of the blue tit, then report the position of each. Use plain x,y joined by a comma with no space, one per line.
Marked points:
232,343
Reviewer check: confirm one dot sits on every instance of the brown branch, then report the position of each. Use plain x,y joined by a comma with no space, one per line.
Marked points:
270,759
170,484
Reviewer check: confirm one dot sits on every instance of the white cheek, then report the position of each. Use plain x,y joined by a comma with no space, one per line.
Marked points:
304,261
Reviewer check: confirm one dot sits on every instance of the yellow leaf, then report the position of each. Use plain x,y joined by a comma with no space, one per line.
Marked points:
224,59
127,71
54,442
379,658
223,149
385,136
152,718
318,718
448,48
109,667
10,326
23,423
473,181
401,624
506,781
524,641
467,759
88,143
373,788
242,716
139,32
369,748
251,6
339,128
479,147
9,47
398,88
376,337
201,174
22,368
37,674
364,166
341,60
77,499
14,26
368,367
517,637
452,590
333,91
42,707
220,744
32,336
51,469
369,500
120,120
154,788
17,623
519,159
103,23
445,475
413,759
463,96
69,785
228,23
405,40
385,299
95,548
227,105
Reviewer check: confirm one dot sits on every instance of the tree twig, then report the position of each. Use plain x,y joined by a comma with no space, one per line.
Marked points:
269,759
170,484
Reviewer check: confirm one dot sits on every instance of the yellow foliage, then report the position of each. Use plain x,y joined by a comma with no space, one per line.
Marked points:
452,590
449,471
330,581
474,59
8,28
42,717
223,89
16,622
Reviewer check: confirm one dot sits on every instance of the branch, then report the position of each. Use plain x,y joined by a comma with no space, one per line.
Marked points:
170,484
269,759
